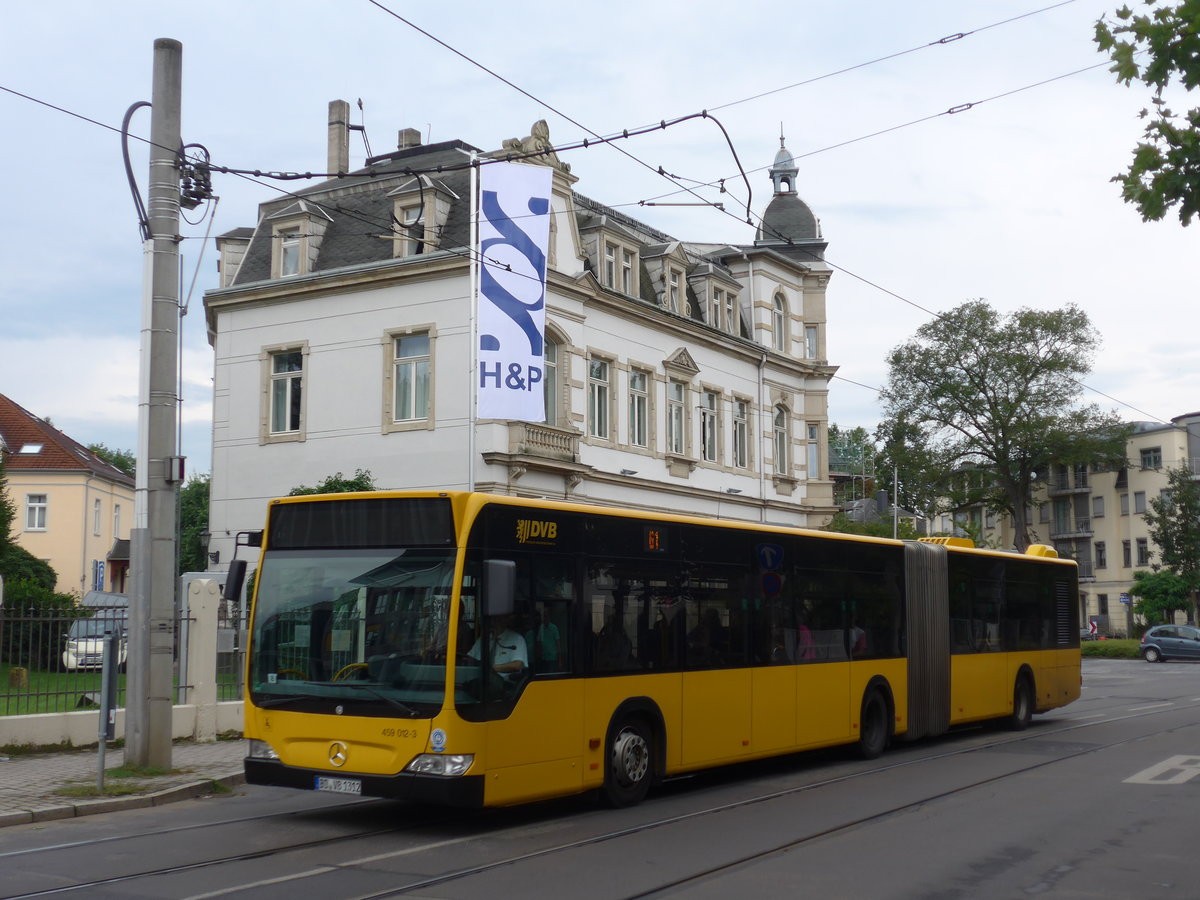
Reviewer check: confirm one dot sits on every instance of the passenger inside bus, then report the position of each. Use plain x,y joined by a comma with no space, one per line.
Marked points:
546,642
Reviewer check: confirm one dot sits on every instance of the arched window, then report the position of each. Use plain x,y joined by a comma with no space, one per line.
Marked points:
782,442
779,323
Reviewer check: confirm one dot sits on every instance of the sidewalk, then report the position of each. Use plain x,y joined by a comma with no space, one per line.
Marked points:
28,783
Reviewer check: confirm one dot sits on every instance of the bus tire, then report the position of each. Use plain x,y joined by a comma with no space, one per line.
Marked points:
1022,711
873,729
630,763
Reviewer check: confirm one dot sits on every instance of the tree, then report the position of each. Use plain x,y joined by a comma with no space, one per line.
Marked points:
852,452
8,509
923,483
125,460
193,522
337,483
994,400
1173,522
1159,595
1157,48
879,528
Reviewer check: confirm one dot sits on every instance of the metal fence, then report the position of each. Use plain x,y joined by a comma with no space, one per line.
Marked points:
50,659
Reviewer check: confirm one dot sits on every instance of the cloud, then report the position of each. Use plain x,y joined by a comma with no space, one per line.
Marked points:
88,385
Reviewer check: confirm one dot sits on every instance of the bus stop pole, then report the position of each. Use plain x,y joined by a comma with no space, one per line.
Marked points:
108,703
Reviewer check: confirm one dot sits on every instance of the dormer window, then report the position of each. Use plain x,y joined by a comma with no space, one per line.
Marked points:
722,309
289,252
412,231
619,268
674,295
628,273
420,208
296,234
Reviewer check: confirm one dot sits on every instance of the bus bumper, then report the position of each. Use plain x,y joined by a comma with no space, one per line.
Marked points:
464,790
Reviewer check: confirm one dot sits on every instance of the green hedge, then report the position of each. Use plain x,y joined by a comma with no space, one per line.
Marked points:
1116,648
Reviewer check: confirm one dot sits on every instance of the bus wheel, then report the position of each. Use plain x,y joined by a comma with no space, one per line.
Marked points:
1022,705
873,726
630,764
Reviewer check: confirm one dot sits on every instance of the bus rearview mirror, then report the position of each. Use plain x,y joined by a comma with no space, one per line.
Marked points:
499,584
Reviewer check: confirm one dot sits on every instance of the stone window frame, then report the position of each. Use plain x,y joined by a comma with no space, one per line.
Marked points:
285,235
674,289
390,423
623,278
812,342
781,441
779,322
647,397
746,430
716,309
432,200
711,425
812,457
267,357
676,420
609,398
558,395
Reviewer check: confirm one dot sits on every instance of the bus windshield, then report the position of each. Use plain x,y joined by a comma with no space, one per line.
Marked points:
361,629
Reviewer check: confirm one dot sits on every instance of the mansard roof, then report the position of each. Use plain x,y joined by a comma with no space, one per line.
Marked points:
360,211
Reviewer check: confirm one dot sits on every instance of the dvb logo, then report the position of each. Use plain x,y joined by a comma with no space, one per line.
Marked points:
532,530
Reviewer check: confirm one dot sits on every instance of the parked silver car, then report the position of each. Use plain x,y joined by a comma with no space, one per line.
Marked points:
84,643
1170,642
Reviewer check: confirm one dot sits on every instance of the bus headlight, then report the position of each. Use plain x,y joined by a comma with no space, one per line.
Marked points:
261,750
448,764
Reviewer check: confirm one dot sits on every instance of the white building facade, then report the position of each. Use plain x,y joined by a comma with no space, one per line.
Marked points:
682,376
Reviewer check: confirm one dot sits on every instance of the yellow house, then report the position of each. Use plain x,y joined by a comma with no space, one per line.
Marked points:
74,510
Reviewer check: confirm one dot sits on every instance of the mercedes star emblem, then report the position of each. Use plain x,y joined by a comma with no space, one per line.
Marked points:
337,754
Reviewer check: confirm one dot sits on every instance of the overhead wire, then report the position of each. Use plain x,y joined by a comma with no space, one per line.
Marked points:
598,139
942,41
954,110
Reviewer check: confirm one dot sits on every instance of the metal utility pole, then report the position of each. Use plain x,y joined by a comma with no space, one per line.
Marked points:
152,620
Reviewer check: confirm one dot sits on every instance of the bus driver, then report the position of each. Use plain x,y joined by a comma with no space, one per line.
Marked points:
505,647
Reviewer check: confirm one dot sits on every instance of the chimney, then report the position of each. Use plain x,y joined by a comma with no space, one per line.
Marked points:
408,137
339,137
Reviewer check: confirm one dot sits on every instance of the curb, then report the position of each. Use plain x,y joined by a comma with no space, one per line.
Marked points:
172,794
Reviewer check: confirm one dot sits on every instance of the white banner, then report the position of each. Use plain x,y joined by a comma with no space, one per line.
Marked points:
514,232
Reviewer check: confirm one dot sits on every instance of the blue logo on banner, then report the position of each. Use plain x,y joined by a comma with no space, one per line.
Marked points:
513,236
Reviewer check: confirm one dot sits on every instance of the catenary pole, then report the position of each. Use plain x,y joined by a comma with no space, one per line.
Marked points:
148,729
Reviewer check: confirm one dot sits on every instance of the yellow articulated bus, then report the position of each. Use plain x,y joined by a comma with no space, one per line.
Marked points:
479,650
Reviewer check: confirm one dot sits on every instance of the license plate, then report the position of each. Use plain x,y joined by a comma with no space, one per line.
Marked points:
338,785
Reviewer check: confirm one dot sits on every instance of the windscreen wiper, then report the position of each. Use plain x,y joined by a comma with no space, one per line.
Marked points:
380,695
273,702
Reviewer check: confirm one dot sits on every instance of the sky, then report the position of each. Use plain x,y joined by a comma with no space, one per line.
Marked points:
1008,199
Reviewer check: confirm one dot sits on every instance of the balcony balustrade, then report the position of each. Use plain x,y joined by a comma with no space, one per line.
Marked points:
547,441
1068,528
